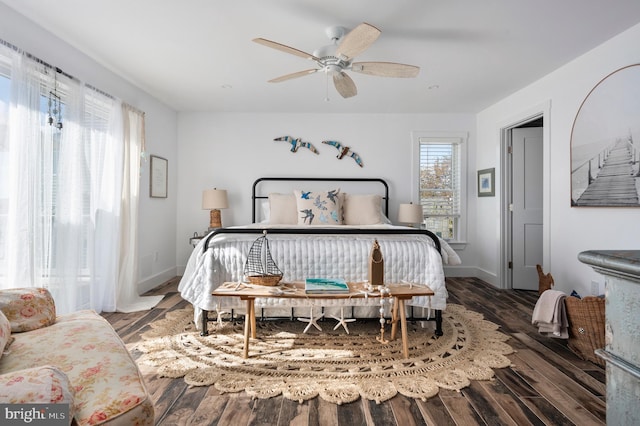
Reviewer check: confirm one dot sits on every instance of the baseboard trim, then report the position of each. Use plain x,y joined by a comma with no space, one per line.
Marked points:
488,277
460,271
154,281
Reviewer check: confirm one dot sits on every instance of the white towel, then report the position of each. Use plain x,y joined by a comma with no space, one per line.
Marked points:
550,314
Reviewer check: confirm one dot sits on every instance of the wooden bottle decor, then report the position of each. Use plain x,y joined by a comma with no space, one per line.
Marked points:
376,265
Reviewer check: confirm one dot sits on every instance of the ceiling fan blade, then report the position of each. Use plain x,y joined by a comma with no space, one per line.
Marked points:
386,69
284,48
345,85
293,75
357,41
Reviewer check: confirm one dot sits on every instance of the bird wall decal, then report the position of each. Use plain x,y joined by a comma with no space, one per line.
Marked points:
345,151
297,143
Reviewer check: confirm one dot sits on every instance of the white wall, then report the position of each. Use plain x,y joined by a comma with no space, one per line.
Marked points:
157,216
570,230
230,151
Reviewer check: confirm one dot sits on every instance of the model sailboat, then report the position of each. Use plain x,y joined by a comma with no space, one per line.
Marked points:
260,268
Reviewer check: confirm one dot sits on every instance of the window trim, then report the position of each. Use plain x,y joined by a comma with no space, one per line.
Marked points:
461,138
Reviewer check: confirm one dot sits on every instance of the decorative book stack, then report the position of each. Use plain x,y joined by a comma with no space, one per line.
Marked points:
325,286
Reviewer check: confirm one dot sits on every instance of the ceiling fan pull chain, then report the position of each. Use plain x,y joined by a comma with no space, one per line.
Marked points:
326,74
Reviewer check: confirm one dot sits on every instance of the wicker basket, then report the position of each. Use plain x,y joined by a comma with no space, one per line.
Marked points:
586,326
267,280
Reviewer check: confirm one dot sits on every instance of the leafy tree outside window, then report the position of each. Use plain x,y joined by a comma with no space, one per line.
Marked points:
440,184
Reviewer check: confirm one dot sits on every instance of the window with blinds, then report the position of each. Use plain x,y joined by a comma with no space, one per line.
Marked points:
93,125
440,184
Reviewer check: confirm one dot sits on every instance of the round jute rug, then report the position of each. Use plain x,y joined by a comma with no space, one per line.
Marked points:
331,364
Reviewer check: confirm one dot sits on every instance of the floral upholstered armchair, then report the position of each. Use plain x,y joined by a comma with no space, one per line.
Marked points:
75,359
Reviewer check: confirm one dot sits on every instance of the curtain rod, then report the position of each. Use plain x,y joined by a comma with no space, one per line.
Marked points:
103,93
35,58
131,107
40,61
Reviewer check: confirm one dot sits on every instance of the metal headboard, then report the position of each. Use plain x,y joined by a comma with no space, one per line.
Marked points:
256,195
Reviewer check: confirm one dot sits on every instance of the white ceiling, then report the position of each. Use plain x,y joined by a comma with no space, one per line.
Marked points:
197,55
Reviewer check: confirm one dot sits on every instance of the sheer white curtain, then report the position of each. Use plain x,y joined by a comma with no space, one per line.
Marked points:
67,269
23,253
103,127
70,195
134,140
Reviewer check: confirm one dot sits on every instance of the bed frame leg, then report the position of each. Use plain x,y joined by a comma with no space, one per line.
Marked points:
439,323
205,321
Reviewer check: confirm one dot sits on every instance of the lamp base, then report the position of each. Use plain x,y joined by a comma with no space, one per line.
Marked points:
215,219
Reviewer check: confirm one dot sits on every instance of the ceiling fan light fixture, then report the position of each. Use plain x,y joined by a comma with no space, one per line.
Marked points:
333,69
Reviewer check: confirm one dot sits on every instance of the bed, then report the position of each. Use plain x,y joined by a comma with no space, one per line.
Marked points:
311,237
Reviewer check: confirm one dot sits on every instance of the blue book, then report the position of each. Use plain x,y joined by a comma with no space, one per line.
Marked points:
325,286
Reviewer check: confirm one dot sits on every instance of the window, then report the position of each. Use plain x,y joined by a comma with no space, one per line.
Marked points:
45,176
440,176
61,163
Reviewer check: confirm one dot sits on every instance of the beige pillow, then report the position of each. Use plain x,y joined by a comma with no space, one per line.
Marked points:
320,208
282,209
5,332
362,209
38,385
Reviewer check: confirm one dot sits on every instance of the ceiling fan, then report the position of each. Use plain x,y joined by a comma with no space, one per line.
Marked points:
336,58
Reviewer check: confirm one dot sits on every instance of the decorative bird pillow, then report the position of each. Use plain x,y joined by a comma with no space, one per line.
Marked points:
319,207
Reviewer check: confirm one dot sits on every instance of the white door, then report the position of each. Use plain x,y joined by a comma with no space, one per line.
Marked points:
526,206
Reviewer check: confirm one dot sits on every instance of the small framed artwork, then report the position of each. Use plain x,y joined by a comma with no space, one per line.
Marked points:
158,178
486,182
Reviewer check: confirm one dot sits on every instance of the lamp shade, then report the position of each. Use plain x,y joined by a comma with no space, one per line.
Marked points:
214,199
410,213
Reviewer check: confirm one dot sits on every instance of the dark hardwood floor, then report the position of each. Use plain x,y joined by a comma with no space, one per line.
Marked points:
547,384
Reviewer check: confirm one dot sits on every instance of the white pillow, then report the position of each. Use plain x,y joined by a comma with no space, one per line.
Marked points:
363,209
319,208
282,209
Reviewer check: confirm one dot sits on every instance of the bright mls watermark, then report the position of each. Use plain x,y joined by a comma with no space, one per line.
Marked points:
34,414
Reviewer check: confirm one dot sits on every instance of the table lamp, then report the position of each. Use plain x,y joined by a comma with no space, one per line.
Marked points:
410,213
214,200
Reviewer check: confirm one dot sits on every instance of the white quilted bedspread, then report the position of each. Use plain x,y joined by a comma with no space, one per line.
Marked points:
407,258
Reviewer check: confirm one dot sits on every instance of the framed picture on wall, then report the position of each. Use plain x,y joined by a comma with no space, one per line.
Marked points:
158,177
486,182
605,159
